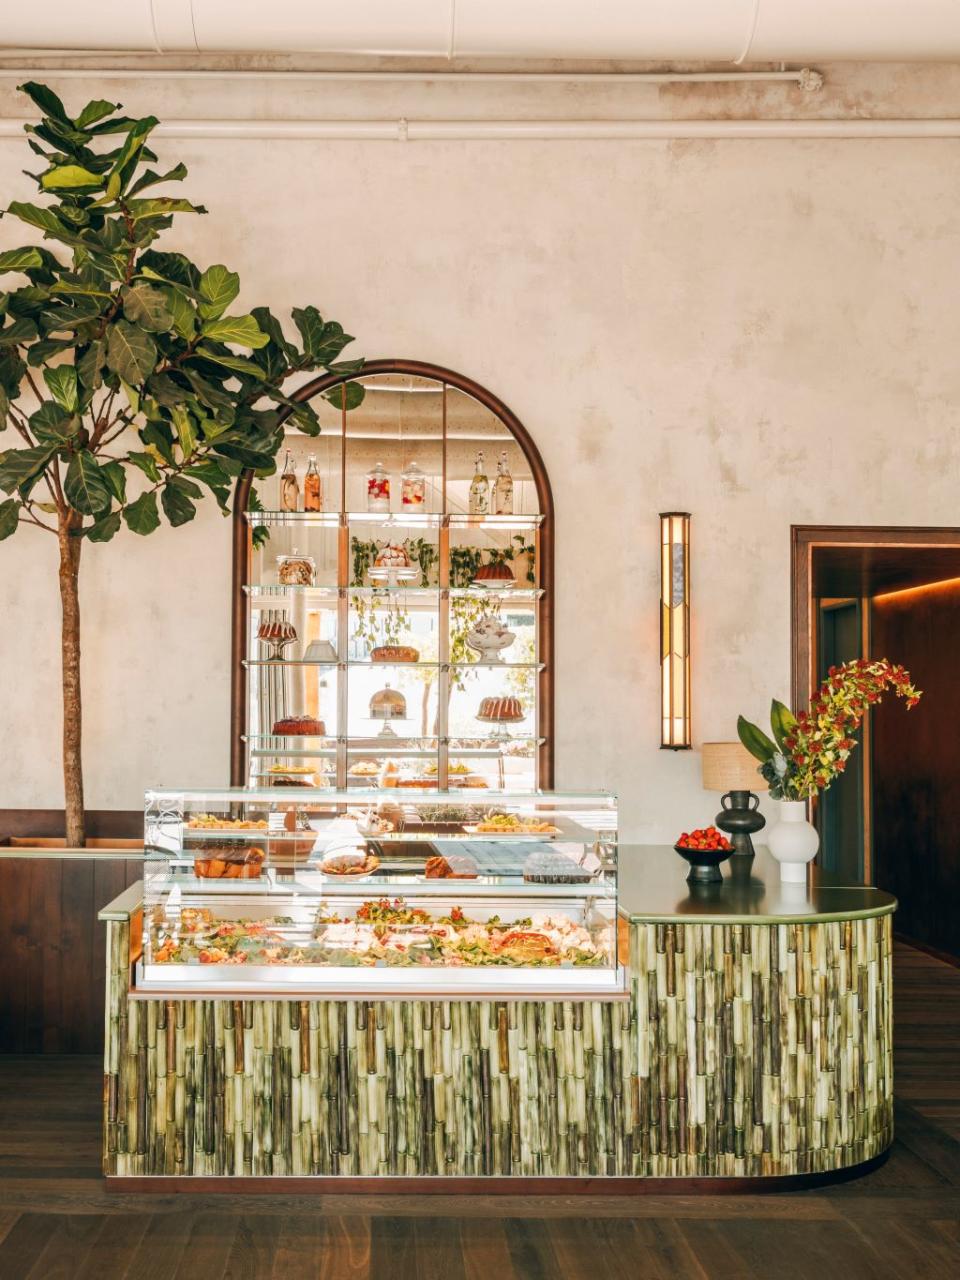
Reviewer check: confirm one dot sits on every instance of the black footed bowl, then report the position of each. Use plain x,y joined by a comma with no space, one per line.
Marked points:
704,863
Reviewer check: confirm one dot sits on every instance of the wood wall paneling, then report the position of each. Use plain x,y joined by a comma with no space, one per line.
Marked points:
916,758
52,950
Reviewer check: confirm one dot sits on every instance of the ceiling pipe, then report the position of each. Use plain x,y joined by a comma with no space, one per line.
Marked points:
652,30
540,130
806,77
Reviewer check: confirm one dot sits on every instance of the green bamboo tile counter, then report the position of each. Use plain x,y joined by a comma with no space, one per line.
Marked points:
756,1042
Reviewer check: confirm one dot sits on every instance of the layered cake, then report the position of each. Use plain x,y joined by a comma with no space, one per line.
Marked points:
505,710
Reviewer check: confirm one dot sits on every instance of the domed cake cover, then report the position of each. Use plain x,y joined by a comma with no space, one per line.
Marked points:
388,704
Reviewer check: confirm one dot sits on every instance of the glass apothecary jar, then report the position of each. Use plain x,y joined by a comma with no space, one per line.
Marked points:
378,489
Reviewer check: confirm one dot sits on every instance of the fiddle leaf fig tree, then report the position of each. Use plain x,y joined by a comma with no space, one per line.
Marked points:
129,389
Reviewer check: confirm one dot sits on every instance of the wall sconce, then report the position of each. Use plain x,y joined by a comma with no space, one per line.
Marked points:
675,630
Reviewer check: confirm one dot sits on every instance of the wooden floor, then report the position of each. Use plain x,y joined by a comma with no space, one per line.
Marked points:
57,1222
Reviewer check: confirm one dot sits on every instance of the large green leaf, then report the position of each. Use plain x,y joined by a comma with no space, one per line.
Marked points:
102,530
186,434
177,507
130,352
235,363
51,424
782,721
218,288
142,516
116,479
62,385
240,329
20,259
46,220
146,463
146,306
19,466
174,267
94,111
90,364
9,517
215,478
126,158
183,316
755,740
70,177
48,102
150,178
347,396
84,485
160,206
272,328
22,330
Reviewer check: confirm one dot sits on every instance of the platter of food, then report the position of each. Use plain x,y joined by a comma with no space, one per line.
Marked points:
511,824
384,931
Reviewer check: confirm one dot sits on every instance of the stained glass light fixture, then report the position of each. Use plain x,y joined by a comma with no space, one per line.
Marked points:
675,630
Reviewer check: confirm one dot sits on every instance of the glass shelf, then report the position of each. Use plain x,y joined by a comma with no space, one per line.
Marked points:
497,666
273,590
289,662
403,519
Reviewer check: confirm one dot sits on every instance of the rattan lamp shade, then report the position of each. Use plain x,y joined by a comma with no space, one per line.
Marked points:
729,766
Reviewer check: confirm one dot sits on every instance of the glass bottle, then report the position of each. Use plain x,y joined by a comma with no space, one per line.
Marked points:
413,487
312,486
503,488
479,501
378,489
289,486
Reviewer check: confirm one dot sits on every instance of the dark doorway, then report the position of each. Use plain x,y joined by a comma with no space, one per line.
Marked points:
893,819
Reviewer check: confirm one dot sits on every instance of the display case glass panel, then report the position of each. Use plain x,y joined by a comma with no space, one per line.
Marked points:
380,889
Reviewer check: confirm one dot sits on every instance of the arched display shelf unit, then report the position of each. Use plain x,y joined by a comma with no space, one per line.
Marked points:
460,399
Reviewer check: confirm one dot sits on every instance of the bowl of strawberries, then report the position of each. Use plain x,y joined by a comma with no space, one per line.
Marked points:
704,848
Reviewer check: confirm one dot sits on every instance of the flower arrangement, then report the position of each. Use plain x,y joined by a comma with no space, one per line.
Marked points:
808,751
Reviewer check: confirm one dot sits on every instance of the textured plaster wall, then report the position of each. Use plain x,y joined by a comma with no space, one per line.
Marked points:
762,333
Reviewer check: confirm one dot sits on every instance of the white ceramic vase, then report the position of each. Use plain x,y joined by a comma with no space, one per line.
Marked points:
793,841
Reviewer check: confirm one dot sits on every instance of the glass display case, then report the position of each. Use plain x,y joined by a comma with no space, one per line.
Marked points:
394,637
380,891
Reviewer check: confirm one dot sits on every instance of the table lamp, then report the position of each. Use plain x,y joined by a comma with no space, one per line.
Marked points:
729,767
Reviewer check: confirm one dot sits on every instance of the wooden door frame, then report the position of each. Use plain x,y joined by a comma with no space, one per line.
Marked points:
805,539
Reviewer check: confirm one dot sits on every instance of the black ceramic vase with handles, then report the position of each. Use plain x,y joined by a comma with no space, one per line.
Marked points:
739,818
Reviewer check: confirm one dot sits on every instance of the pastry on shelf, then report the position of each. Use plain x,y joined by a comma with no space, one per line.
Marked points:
513,824
454,866
392,564
503,710
217,822
473,783
276,629
292,775
364,769
375,824
299,727
350,862
296,570
394,653
223,860
498,575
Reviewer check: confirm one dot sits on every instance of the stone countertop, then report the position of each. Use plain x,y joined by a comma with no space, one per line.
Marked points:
653,888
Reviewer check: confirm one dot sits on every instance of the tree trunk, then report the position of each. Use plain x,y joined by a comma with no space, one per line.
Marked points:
70,546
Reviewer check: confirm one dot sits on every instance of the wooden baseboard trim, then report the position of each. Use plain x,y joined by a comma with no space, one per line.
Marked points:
385,1186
